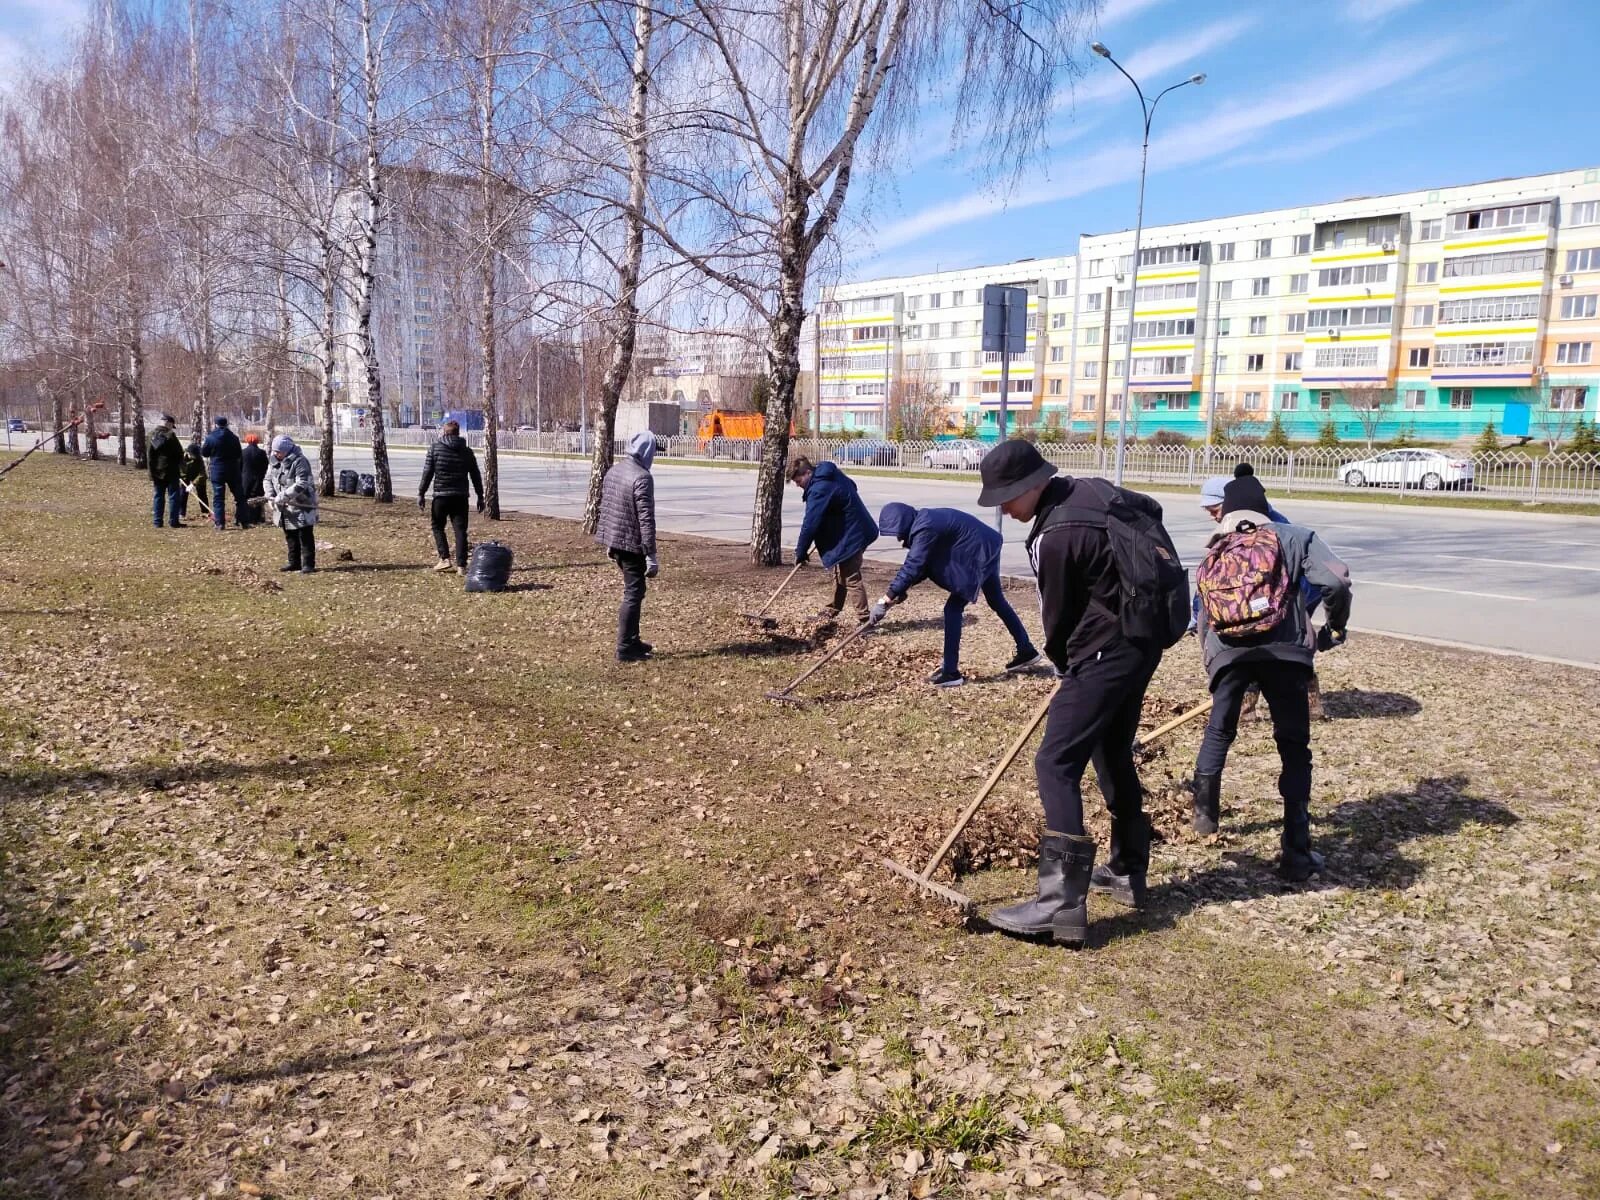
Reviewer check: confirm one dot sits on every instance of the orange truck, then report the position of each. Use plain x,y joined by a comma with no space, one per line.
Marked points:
738,427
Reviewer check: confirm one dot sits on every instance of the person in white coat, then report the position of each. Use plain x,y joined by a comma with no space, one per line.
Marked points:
293,497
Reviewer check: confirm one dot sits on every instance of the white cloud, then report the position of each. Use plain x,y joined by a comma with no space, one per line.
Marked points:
1117,11
1219,133
1368,11
1149,63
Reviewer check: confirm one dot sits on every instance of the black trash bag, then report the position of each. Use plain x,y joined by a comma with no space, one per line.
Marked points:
489,569
349,482
369,485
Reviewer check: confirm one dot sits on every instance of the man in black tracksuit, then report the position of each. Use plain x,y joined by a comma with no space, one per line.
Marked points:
1095,713
451,464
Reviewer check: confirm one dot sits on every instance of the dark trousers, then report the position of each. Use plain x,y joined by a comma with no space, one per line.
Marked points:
169,498
955,607
302,548
183,496
453,509
1285,688
1094,717
847,585
219,499
632,567
252,514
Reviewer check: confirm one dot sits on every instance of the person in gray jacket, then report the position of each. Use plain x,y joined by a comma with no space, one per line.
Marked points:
1279,661
293,496
627,529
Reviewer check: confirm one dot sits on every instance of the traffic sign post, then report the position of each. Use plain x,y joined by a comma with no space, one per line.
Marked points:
1005,328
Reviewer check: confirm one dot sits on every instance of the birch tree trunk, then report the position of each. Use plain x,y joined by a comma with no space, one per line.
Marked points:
486,283
58,414
625,314
330,267
135,369
384,490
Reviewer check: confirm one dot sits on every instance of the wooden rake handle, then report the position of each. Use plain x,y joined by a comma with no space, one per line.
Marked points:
988,785
1180,719
772,599
826,658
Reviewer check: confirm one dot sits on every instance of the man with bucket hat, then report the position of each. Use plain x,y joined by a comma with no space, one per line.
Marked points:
1113,595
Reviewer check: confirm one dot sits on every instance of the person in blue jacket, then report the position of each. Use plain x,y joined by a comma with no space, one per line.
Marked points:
838,524
962,555
224,458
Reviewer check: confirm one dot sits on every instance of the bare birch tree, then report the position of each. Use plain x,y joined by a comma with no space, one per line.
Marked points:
1369,403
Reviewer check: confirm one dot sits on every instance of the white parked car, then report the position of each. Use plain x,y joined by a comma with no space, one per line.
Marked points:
1429,470
962,455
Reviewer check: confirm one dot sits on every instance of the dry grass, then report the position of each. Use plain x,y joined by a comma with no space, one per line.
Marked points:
362,886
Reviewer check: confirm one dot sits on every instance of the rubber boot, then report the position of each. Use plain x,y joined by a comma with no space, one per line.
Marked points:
1207,803
1122,876
1299,861
1061,908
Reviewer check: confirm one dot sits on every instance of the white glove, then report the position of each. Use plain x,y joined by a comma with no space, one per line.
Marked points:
651,567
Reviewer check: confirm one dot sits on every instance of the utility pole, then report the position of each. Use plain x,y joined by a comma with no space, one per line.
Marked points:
1211,396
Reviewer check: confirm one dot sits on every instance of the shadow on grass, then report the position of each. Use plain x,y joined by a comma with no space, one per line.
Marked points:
528,586
352,566
20,784
774,645
1356,703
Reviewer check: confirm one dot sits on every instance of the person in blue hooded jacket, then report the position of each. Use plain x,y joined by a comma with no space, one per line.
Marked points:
962,555
838,524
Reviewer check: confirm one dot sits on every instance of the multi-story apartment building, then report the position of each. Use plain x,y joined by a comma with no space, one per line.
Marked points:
1437,311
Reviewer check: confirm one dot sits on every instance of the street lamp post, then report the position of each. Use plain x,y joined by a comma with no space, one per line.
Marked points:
1149,109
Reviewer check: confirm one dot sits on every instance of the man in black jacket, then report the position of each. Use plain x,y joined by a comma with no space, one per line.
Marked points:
253,464
165,462
450,465
223,454
1095,713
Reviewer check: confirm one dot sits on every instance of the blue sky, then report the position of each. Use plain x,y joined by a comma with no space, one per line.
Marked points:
1302,103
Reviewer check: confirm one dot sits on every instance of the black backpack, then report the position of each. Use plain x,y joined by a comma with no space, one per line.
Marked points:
1155,583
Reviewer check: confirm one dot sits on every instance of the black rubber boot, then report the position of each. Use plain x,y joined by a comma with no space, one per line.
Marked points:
1061,908
1122,875
1207,803
1299,861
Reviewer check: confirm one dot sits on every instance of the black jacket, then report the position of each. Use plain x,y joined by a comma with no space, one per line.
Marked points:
194,467
253,462
1080,594
165,457
222,448
451,463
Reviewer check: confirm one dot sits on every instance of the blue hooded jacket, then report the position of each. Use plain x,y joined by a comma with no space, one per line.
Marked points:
954,549
836,520
223,450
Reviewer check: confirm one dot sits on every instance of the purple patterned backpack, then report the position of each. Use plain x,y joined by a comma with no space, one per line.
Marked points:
1243,584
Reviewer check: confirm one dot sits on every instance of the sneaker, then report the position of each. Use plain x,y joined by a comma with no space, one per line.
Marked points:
444,564
633,654
943,678
644,647
290,567
1025,660
178,525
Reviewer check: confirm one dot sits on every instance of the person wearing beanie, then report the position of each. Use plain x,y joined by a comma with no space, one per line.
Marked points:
1105,670
450,467
253,464
962,555
164,460
1255,629
838,523
627,529
293,496
224,457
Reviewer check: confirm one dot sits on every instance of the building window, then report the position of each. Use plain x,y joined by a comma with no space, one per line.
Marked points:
1225,290
1291,361
1416,397
1289,401
1586,212
869,389
1325,400
1181,327
1252,401
1508,217
955,358
1420,355
953,388
1055,387
1258,325
1490,308
991,387
1339,318
1345,276
957,299
1422,314
1058,320
1091,302
1224,251
1431,230
1164,291
1508,262
1261,286
1298,284
1295,323
1302,243
913,362
877,333
1085,401
1091,370
1584,260
933,299
1573,353
1460,398
1577,308
1224,326
1346,356
1482,354
1160,255
1162,364
1090,336
1264,248
1255,362
1058,354
1058,287
1428,273
1097,266
1569,399
992,357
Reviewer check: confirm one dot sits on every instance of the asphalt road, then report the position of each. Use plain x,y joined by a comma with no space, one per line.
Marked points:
1522,583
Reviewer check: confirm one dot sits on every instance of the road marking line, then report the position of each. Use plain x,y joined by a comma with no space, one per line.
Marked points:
1518,562
1422,587
1501,651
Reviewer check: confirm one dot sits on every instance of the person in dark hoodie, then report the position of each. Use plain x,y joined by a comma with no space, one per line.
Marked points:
962,555
627,529
1277,659
450,467
1094,715
192,476
253,464
223,456
164,459
838,524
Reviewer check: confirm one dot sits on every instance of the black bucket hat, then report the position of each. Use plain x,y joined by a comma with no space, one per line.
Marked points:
1010,469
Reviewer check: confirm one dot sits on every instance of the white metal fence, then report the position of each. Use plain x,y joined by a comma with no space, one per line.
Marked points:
1504,474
